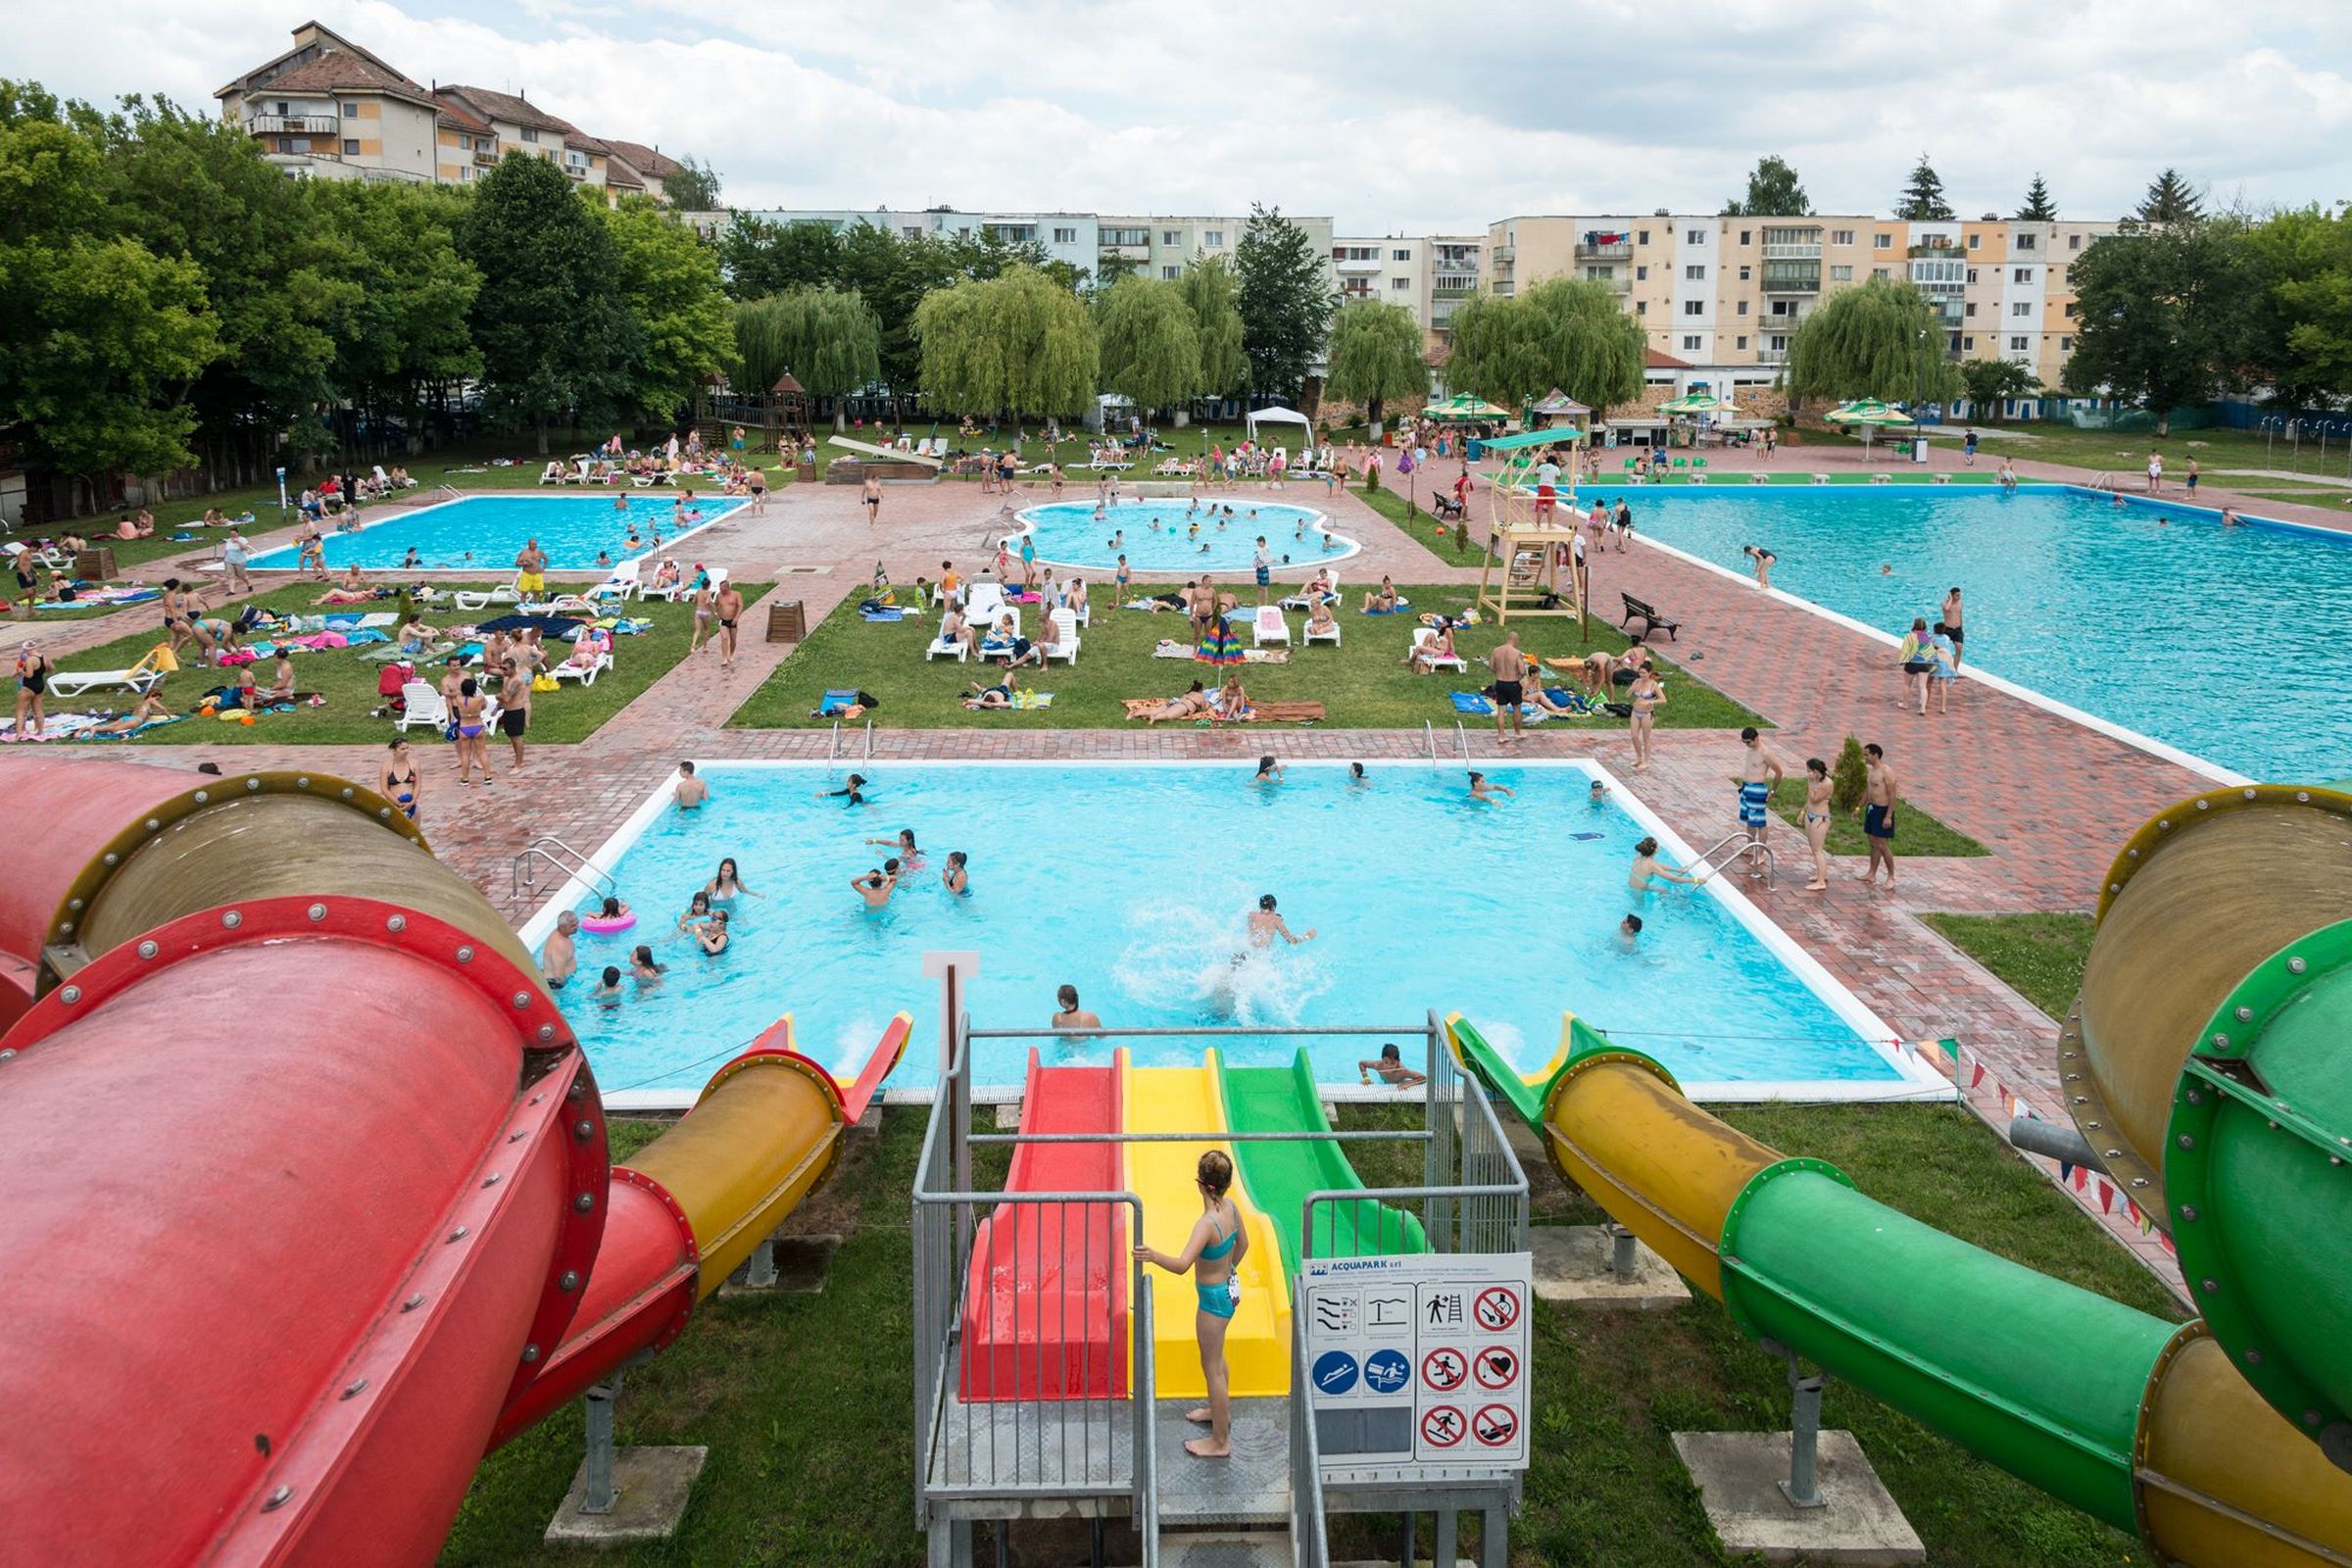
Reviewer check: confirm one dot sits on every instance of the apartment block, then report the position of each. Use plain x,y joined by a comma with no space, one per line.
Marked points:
1162,247
328,108
1066,236
1390,269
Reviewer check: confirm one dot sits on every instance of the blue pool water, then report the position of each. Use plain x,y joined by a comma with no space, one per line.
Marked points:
2226,643
1157,535
482,533
1133,883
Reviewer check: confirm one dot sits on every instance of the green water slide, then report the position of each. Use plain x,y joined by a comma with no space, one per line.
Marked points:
1281,1175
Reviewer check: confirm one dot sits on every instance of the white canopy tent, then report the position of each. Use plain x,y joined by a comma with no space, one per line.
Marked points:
1280,415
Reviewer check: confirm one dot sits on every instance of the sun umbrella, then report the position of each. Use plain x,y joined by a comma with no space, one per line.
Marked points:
1463,407
1869,414
1694,403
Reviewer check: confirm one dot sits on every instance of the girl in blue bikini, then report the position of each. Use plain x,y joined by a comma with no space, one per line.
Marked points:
1213,1255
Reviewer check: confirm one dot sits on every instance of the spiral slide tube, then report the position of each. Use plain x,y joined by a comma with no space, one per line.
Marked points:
2117,1412
308,1197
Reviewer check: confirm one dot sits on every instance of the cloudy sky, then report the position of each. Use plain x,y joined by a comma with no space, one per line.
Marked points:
1399,118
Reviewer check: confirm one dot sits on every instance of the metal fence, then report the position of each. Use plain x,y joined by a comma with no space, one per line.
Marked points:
1309,1545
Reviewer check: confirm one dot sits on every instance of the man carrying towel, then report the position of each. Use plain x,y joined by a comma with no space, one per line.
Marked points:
1760,773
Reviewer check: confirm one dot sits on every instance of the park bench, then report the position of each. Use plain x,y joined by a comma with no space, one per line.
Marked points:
1652,621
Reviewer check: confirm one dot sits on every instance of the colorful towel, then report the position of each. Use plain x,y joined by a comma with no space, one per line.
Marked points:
1029,698
1266,655
835,700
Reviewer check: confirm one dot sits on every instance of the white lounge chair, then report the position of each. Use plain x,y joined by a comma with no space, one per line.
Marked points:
1065,638
1424,637
420,703
1269,628
141,678
624,584
982,602
554,474
1331,635
1303,600
586,673
942,647
483,599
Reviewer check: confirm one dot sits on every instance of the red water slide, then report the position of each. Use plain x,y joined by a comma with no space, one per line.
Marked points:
307,1201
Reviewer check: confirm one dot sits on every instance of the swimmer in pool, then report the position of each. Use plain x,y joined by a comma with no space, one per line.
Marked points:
1628,929
1648,870
876,887
1265,925
1389,1065
1481,790
607,988
905,845
713,937
954,878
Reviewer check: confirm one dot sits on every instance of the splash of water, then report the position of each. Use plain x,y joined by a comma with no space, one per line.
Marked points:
1189,958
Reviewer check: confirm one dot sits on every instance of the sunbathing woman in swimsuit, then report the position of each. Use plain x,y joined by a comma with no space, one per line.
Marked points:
1191,705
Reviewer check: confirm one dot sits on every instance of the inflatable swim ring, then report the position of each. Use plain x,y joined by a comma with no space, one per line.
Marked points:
602,926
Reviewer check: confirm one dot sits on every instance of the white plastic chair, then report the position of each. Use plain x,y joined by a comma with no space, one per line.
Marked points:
942,648
1424,637
422,704
1268,627
1065,637
1330,635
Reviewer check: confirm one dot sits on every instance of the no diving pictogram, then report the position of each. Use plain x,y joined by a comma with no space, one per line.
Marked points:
1495,1425
1497,1309
1441,1425
1495,1367
1444,1369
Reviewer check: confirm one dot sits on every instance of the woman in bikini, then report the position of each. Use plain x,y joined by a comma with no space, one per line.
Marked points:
705,615
398,781
1212,1255
728,885
469,710
1646,699
1817,821
1191,705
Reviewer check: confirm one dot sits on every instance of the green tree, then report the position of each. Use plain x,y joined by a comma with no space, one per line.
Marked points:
1879,340
1376,357
694,188
99,336
830,341
2164,315
761,257
1285,301
1849,778
1773,191
2170,200
1151,345
555,329
2038,208
2303,323
1989,383
669,279
1018,344
1563,332
1111,267
407,338
1213,294
1922,201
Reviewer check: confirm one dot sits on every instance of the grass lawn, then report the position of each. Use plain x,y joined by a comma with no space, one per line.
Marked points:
2039,956
804,1401
348,681
1363,682
1916,832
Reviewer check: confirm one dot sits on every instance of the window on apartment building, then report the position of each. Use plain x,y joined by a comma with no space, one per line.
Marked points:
1882,242
1743,307
911,231
1400,256
1745,272
2071,309
2018,345
1783,307
1842,274
1212,237
1692,341
285,144
1640,275
1065,236
529,135
1880,272
1695,307
1170,236
2065,344
285,108
1696,274
1969,309
351,146
2021,308
1777,343
1743,343
1972,274
1172,273
1640,307
2074,242
351,111
465,173
1973,241
1695,236
1952,344
1640,237
2021,274
2023,242
1401,284
1842,236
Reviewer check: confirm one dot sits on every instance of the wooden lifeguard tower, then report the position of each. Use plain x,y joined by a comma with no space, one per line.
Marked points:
787,410
1530,550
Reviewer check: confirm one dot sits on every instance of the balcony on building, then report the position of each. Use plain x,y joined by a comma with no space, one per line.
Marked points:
1503,255
1357,257
1618,279
1935,247
292,124
1772,356
1604,245
1791,245
485,157
1792,277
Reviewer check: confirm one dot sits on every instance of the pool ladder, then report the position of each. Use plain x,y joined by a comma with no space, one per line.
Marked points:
1739,844
833,751
1429,733
524,873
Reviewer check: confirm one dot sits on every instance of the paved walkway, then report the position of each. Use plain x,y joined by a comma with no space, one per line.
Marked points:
2051,800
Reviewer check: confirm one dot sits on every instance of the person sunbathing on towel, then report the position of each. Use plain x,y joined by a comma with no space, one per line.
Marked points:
1232,703
281,679
150,709
1192,704
998,695
1380,600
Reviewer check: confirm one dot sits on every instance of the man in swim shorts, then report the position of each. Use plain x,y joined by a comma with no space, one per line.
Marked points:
729,607
690,792
1760,773
530,569
1877,815
560,957
1509,666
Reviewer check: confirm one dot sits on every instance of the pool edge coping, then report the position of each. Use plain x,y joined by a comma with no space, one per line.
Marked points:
1915,1080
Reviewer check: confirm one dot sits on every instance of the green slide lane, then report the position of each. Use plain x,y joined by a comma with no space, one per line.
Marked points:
1279,1176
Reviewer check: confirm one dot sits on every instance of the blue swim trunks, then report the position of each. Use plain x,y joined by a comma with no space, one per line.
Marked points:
1754,797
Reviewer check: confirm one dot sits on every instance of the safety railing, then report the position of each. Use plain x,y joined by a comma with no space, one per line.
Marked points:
1027,1383
1739,844
1309,1545
833,745
523,874
1429,733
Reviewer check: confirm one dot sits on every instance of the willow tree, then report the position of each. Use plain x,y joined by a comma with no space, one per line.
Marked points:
1375,357
1018,343
1881,340
1214,293
828,338
1564,332
1150,347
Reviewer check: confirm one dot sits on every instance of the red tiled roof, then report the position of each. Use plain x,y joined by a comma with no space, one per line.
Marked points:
514,111
1652,360
455,113
338,72
645,159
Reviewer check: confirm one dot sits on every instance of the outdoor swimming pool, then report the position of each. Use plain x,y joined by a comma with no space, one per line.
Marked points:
1132,883
1158,535
482,533
2226,642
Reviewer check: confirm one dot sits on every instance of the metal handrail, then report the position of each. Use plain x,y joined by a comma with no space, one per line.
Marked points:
833,748
1740,843
1308,1546
1461,739
1428,730
564,857
869,739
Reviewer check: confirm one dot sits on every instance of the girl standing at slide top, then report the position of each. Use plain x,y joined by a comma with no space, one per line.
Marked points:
1213,1255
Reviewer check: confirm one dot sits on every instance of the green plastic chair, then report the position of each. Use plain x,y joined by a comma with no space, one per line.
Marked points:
1629,465
1698,463
1682,463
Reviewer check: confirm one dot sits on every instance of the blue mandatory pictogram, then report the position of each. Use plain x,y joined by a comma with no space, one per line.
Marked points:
1387,1371
1335,1372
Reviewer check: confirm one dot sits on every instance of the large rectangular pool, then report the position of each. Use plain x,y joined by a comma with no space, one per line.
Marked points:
1133,882
482,533
2222,642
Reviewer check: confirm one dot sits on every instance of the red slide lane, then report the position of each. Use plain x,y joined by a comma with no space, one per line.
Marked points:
1046,1314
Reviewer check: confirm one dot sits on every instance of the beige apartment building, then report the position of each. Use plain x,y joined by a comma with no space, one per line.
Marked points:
329,109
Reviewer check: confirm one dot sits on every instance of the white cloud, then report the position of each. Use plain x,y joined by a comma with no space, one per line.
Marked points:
1416,118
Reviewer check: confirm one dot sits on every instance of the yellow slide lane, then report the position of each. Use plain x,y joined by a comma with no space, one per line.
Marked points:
1258,1346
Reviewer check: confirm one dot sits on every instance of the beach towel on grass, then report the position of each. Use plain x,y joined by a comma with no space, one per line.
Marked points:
1473,703
1029,698
835,702
1171,647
